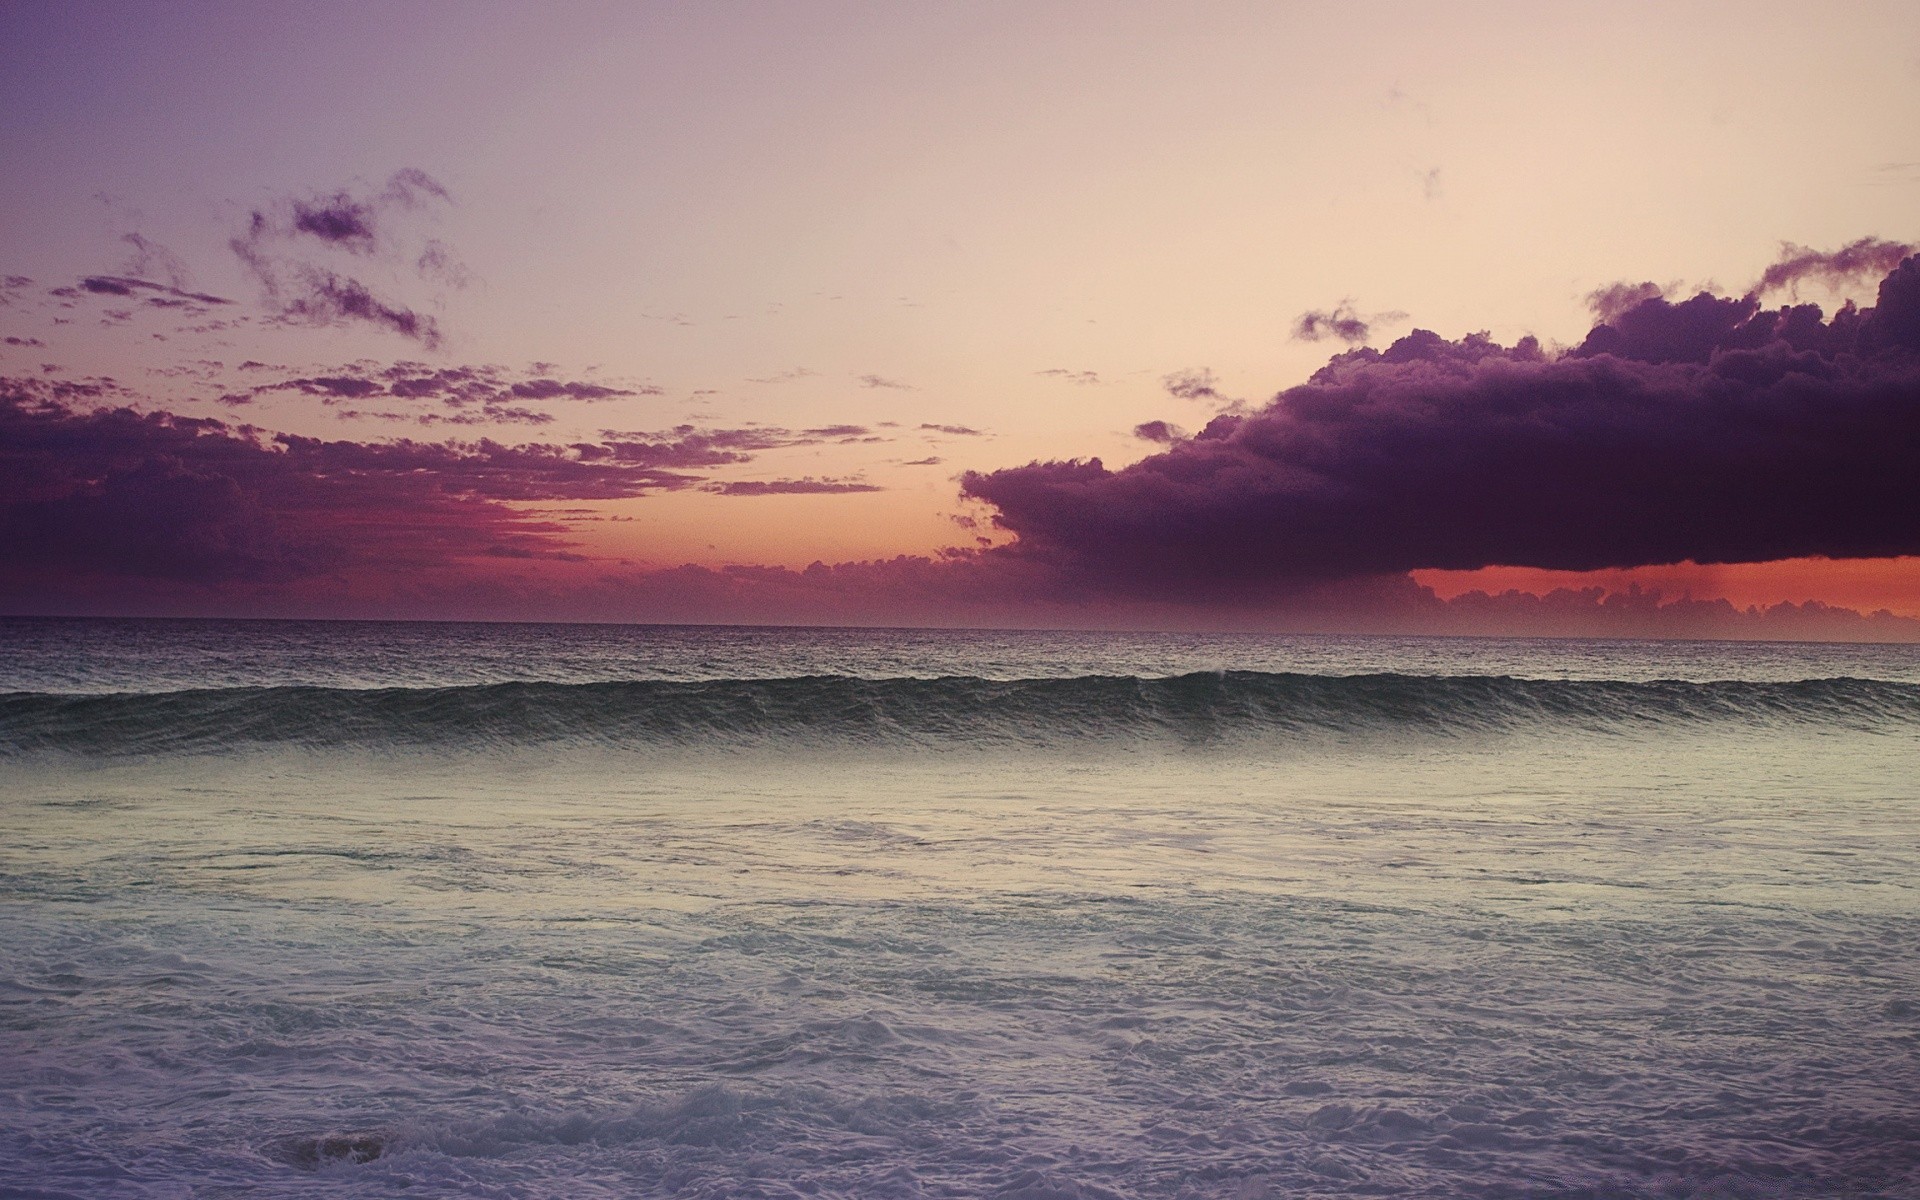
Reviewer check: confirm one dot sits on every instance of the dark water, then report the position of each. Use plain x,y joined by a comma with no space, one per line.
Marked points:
378,909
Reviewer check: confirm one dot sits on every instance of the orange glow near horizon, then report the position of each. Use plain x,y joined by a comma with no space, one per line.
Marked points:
1866,584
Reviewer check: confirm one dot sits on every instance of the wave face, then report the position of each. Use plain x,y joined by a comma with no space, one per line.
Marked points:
1201,709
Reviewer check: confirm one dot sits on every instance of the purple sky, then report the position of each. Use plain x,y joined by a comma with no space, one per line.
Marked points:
634,312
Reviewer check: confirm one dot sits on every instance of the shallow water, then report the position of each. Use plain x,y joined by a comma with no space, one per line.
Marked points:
1648,947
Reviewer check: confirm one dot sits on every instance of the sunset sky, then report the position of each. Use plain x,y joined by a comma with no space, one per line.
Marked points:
635,312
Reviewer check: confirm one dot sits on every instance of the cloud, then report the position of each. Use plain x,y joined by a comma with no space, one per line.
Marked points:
1341,321
880,381
345,387
410,187
1709,429
790,487
110,509
1867,258
323,298
1638,612
114,493
339,220
474,393
123,285
493,414
550,389
1159,431
685,447
436,262
287,245
954,430
151,258
1608,302
353,223
1195,384
1083,378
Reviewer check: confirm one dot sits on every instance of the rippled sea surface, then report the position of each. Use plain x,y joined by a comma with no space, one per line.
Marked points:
369,910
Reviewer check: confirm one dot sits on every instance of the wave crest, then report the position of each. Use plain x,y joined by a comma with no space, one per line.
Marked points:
1190,710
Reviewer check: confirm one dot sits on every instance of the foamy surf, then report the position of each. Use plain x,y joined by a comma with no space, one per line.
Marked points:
1231,933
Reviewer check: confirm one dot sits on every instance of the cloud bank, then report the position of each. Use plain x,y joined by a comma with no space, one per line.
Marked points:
118,496
1710,429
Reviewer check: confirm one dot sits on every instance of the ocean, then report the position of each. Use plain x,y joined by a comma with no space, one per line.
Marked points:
375,909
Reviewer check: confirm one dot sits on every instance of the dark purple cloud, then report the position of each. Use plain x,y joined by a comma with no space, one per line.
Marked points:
1709,429
1864,259
492,414
1341,321
685,446
1868,258
110,509
352,223
324,298
116,493
344,387
339,220
1609,302
550,389
1163,432
285,245
1197,384
476,394
955,430
122,285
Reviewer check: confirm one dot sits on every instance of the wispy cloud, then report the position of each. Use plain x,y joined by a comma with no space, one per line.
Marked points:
787,376
1342,321
1083,378
286,246
790,487
1867,258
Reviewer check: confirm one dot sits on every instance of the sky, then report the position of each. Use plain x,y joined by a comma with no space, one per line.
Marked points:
1399,317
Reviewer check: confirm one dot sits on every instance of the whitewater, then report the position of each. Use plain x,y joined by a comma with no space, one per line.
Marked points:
358,910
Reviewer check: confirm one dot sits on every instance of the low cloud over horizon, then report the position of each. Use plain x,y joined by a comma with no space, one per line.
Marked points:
1708,429
1711,430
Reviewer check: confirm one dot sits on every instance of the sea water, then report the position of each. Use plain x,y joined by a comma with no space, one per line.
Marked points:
318,909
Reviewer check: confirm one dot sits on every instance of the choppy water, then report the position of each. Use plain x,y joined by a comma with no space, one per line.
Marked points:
369,910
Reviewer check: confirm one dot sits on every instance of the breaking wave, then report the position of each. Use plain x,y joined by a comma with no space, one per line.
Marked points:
1186,710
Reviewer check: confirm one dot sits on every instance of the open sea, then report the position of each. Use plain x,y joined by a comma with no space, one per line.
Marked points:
372,910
